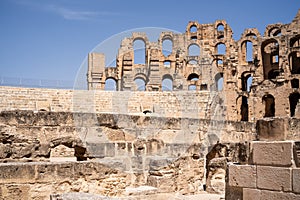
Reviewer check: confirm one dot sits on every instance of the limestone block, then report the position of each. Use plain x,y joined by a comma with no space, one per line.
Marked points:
233,193
274,178
249,193
271,195
242,176
296,180
15,172
272,153
271,129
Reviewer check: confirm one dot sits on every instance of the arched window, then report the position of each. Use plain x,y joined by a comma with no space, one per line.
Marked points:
110,84
294,100
193,77
246,82
269,101
270,58
167,47
274,32
167,64
139,49
193,62
219,81
221,49
194,50
247,51
193,29
140,84
167,83
294,61
220,27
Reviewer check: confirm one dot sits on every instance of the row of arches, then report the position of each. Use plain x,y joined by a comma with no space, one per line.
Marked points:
139,48
167,83
269,104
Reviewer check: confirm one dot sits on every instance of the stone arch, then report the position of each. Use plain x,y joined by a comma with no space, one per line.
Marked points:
140,82
269,102
247,51
192,79
220,48
293,100
295,41
111,84
294,62
273,30
270,58
219,81
167,83
246,79
194,49
167,44
139,51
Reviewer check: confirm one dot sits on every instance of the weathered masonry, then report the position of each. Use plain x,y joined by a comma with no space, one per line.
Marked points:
258,74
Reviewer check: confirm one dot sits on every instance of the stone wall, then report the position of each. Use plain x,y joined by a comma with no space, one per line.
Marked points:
189,104
272,173
40,180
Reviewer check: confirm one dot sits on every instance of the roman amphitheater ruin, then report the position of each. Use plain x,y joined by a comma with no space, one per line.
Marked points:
211,118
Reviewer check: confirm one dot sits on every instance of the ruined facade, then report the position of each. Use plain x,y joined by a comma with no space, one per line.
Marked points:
153,138
258,74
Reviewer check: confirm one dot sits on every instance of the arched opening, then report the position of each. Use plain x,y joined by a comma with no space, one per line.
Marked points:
246,82
193,29
221,49
110,84
220,27
270,58
219,81
247,51
194,50
192,87
140,84
269,105
294,100
193,62
251,35
139,48
275,32
167,83
295,83
167,64
295,41
244,109
167,47
294,61
193,77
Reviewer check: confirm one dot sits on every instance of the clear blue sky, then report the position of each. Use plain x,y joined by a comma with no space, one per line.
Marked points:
49,39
